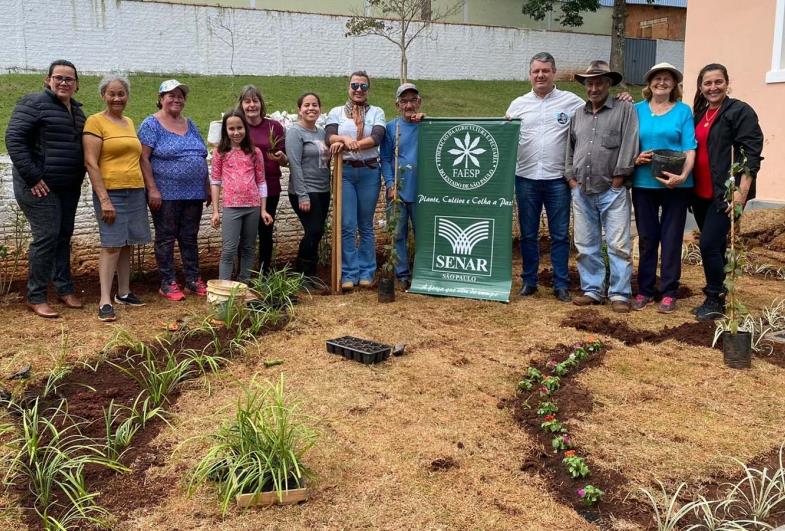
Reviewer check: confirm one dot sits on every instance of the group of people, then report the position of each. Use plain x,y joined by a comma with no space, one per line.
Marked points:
596,157
573,154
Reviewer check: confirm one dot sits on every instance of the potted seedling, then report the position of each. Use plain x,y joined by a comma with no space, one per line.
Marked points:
275,142
257,458
387,271
736,340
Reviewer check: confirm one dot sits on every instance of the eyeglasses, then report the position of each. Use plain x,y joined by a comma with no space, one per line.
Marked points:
359,86
64,79
413,101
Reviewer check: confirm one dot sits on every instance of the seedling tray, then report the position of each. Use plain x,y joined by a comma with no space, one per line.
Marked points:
357,349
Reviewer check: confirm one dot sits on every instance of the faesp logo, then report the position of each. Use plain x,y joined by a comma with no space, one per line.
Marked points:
467,156
463,247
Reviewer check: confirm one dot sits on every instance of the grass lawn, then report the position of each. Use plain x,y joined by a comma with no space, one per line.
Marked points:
211,95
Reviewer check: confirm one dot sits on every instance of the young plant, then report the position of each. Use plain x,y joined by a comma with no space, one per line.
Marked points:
552,425
551,383
278,288
668,513
262,449
560,369
735,257
576,466
120,432
561,442
158,379
61,368
525,385
12,252
50,454
534,374
759,493
547,408
590,495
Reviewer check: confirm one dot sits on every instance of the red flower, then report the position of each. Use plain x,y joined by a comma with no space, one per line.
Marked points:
549,418
569,453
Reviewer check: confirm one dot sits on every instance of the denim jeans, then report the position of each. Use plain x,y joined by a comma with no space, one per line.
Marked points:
406,216
608,211
238,231
554,195
657,230
51,221
177,220
360,194
266,235
714,225
313,230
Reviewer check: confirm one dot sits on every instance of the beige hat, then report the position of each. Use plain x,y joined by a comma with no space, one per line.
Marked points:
597,69
664,66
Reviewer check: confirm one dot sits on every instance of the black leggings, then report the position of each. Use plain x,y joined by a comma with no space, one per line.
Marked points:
313,225
714,225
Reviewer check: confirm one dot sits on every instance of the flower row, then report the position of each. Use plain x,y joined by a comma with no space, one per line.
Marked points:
545,386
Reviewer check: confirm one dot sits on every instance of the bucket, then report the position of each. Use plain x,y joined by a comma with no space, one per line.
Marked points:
214,133
220,291
667,160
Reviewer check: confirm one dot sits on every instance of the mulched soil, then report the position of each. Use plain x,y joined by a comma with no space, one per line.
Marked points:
697,333
574,401
88,393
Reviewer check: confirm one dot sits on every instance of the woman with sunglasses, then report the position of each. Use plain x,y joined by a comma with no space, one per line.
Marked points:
44,141
357,129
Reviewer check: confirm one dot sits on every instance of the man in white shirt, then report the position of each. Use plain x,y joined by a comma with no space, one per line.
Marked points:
545,115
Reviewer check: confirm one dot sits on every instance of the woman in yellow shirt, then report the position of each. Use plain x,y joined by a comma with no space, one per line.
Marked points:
112,152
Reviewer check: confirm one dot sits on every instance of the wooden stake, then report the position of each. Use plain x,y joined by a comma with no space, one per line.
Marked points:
337,191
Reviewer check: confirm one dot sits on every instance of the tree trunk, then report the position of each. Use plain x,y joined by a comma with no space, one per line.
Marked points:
426,10
617,36
404,59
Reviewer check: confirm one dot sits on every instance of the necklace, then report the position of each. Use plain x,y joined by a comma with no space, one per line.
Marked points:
706,120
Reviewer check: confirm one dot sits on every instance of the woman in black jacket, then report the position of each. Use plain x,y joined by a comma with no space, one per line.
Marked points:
44,141
723,128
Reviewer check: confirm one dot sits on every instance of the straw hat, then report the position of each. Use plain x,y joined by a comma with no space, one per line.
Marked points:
664,66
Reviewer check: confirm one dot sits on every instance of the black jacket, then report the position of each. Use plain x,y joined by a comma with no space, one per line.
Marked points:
736,126
44,141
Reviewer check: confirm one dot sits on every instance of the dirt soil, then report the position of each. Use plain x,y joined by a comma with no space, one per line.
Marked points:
420,441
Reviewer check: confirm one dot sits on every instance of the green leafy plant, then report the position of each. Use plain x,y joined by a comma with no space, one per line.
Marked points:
551,383
668,512
261,449
12,252
157,378
50,454
551,424
576,466
274,140
278,288
561,442
121,431
525,385
590,495
547,408
758,493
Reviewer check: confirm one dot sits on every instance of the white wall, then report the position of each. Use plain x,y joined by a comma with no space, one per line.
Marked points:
128,35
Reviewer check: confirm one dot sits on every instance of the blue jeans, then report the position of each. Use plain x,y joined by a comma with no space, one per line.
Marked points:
608,211
554,195
360,194
406,215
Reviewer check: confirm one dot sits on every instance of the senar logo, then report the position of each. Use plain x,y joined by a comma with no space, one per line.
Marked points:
467,156
463,240
463,247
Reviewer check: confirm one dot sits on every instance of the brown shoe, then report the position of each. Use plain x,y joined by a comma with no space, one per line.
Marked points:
71,301
620,306
585,300
43,310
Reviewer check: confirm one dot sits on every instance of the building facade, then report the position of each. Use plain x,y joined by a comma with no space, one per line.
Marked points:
748,39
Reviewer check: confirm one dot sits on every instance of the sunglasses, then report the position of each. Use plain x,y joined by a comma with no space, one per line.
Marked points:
359,86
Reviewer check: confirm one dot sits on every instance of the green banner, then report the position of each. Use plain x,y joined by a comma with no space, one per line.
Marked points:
465,187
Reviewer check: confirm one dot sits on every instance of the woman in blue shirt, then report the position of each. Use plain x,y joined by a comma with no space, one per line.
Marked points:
174,157
661,201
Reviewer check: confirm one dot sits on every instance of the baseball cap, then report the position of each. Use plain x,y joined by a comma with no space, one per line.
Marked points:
403,88
170,84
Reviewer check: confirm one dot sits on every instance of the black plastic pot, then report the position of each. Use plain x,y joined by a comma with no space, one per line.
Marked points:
362,350
737,350
667,160
386,290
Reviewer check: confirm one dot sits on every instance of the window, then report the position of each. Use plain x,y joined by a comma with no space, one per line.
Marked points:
777,72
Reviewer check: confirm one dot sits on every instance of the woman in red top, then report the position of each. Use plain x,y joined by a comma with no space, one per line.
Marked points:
269,136
723,127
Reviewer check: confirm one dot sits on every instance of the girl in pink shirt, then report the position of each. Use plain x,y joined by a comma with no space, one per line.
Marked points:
238,168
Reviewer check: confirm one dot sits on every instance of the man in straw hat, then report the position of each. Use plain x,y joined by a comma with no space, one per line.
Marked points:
601,150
